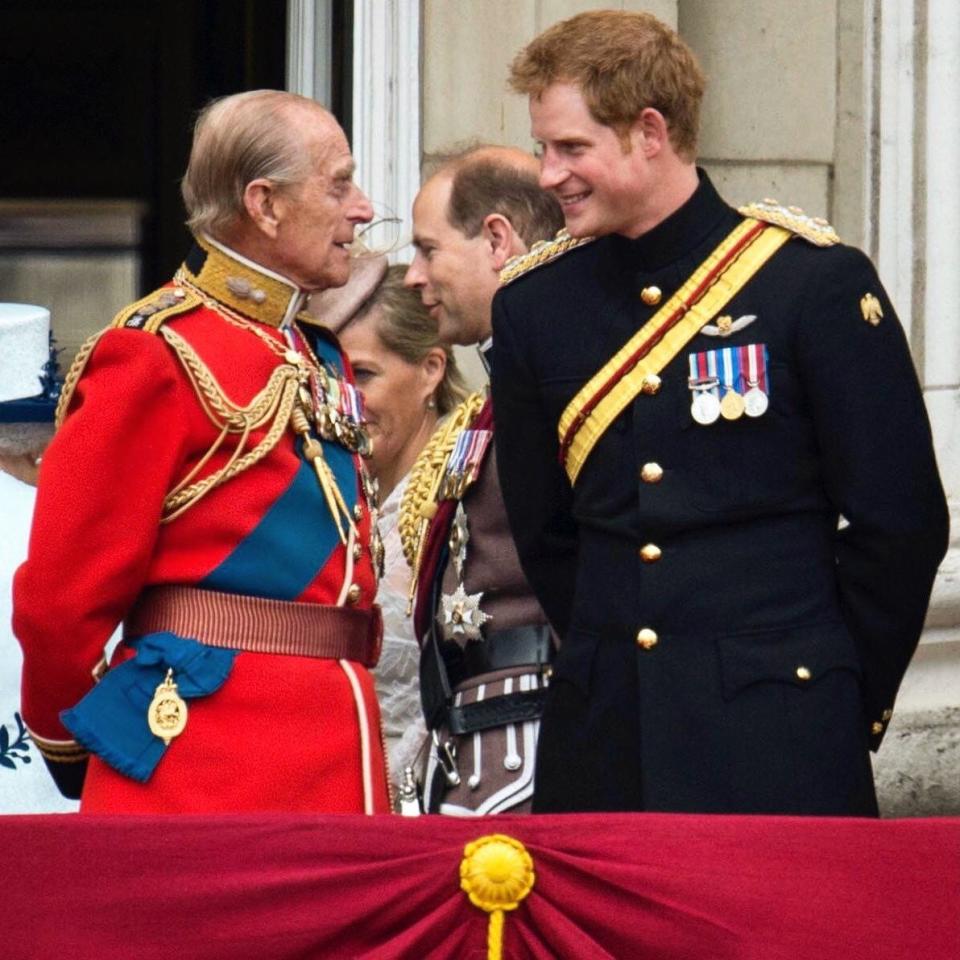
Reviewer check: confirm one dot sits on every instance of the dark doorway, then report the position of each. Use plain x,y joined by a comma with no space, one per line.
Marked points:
97,100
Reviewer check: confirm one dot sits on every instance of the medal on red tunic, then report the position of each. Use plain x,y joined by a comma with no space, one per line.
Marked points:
167,713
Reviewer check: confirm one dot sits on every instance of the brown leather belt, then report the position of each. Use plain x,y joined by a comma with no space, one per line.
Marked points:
257,624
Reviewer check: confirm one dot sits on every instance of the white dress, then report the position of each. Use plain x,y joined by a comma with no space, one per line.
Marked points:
397,674
25,784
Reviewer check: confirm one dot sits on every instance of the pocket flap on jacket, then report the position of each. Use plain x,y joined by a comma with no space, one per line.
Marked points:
799,656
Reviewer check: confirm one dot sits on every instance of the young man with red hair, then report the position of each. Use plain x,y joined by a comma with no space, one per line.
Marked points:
688,399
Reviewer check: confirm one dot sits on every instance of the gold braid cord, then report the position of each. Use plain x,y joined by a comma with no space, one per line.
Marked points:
274,404
419,502
73,377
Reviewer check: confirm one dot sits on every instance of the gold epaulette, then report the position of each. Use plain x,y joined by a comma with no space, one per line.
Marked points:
147,314
815,230
155,308
540,253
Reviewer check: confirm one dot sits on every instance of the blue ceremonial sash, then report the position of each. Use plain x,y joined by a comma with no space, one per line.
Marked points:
111,720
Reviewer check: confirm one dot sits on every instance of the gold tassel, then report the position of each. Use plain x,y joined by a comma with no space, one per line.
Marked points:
313,451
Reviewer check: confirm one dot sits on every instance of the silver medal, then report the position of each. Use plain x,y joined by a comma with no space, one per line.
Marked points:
705,408
755,402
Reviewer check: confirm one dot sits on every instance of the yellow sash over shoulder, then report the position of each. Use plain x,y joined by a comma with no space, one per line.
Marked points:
632,370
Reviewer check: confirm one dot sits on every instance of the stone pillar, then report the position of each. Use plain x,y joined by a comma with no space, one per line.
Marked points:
913,230
309,25
386,114
770,104
467,51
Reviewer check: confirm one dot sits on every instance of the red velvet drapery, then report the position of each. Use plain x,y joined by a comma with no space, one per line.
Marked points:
629,887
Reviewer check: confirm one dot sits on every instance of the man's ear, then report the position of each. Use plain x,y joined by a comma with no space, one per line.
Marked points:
260,202
649,133
504,243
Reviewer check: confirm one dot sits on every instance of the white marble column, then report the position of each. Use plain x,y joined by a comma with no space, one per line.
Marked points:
386,113
912,204
309,38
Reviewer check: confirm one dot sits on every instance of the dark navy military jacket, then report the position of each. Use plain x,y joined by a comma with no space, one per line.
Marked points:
750,666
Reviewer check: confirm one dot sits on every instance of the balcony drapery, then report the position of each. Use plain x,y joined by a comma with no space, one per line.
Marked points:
622,886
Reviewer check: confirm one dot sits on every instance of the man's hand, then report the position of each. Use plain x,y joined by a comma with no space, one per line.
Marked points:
23,466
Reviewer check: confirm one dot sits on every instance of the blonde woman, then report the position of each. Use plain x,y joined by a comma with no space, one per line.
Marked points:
409,381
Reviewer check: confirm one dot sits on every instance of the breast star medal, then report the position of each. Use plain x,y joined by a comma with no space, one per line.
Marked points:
461,614
167,713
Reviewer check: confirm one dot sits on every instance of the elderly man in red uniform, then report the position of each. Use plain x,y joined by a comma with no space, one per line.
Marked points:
206,489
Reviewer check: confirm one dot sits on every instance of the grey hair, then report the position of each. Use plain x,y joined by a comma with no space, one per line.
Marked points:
238,139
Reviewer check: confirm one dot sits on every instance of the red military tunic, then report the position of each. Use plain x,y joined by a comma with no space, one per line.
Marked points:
284,732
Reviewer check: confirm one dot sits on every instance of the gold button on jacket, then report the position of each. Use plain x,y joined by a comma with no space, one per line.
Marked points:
647,638
651,473
651,384
651,296
650,553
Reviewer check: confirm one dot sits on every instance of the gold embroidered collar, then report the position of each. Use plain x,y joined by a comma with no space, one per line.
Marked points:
241,284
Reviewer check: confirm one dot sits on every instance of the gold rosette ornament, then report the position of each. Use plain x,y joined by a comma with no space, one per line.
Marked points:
496,873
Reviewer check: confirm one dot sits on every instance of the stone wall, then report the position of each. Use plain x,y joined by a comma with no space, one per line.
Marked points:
467,48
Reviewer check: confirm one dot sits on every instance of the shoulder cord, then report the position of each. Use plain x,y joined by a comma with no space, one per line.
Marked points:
73,376
274,404
419,502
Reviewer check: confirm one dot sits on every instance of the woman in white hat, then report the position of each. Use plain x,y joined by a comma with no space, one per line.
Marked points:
28,396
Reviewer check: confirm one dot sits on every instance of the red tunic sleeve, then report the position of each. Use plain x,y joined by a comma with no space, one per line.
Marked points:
117,455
